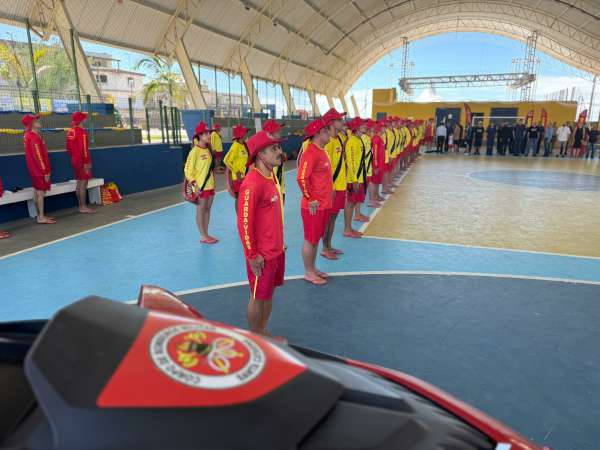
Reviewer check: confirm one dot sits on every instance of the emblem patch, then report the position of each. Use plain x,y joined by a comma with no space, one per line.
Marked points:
206,356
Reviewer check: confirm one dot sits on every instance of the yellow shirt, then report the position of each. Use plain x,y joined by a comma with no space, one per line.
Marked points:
279,172
353,153
368,153
389,144
236,159
216,142
335,150
407,137
398,137
343,136
198,166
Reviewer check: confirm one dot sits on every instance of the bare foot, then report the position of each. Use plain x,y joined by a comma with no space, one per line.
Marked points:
45,220
87,210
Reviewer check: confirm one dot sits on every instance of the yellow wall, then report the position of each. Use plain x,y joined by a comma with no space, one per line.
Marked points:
384,101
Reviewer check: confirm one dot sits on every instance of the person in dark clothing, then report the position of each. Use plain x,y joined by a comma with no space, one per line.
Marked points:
532,141
449,132
592,141
520,131
469,140
505,138
510,140
491,134
477,137
541,131
577,142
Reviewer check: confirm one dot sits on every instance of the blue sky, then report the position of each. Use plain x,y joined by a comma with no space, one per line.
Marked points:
446,54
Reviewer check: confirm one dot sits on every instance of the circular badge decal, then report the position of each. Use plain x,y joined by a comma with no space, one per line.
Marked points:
206,356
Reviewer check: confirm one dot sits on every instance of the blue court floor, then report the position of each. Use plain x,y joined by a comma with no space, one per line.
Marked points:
163,248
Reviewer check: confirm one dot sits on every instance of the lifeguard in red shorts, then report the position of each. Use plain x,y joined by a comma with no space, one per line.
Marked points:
356,175
235,161
314,178
38,164
78,149
260,227
378,161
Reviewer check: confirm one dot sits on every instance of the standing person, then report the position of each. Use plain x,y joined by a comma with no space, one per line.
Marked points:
378,162
353,154
370,134
548,137
314,178
491,135
260,227
335,151
356,144
38,164
577,141
469,143
592,141
449,136
541,132
562,135
510,139
390,143
3,234
477,137
273,129
236,161
532,140
440,136
78,150
198,171
216,144
520,132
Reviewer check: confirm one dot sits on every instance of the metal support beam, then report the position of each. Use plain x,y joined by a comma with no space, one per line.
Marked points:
313,103
189,76
287,95
330,101
529,66
453,81
343,100
249,85
54,16
354,105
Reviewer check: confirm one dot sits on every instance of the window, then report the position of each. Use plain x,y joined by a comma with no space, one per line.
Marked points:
100,78
130,82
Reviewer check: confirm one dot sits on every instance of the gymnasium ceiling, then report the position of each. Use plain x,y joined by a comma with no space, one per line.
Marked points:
321,45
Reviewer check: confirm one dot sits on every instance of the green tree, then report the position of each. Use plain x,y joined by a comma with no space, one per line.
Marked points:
164,84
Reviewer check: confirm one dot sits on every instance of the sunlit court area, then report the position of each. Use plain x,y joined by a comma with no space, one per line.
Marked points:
299,225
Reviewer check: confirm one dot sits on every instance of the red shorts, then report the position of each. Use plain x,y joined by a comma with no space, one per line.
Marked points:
207,193
356,197
262,287
80,173
339,201
236,185
219,156
40,184
369,177
377,178
314,226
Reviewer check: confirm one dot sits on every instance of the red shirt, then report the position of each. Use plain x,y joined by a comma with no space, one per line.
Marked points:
77,145
36,155
378,152
314,177
260,216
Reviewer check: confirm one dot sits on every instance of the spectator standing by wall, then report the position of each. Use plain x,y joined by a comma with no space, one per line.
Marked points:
491,135
592,141
548,136
533,135
520,132
440,136
578,141
562,136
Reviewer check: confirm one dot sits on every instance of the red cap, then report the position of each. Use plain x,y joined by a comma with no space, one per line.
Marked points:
355,123
371,123
77,117
201,128
314,127
259,141
332,115
28,119
216,127
239,131
272,126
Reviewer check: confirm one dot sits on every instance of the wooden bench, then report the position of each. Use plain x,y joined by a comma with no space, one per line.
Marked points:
55,189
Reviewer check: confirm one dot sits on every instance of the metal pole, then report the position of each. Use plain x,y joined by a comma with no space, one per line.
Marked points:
160,117
229,95
131,118
216,92
36,93
147,125
173,126
592,98
176,125
241,96
166,116
88,100
75,67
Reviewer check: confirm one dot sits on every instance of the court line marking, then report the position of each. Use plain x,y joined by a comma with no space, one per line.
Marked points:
398,272
374,213
71,236
450,244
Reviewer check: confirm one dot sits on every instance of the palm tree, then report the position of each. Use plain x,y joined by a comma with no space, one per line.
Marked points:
164,81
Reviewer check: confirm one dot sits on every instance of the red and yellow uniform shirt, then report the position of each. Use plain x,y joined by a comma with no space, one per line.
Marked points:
355,159
314,177
389,141
236,160
335,152
78,146
199,168
379,152
36,155
216,143
260,216
368,153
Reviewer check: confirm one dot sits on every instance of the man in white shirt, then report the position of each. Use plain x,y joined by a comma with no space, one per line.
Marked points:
440,134
562,136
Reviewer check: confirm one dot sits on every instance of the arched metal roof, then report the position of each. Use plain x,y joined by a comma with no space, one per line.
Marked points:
324,45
